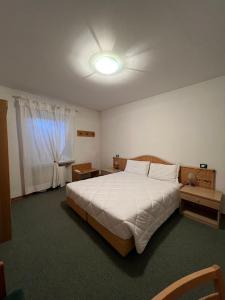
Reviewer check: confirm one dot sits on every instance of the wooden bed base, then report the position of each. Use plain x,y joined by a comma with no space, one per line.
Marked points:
120,245
82,213
205,178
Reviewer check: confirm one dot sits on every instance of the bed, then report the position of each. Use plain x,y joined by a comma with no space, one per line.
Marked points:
125,208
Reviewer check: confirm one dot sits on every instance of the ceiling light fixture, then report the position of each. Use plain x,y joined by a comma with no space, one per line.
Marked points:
106,63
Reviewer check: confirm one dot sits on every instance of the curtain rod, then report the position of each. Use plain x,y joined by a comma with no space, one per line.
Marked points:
24,98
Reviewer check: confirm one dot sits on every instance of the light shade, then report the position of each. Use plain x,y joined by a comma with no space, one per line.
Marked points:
106,64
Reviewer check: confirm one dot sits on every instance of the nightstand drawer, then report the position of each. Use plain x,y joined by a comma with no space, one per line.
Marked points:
201,201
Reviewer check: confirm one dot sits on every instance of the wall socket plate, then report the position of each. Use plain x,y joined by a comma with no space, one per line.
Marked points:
203,166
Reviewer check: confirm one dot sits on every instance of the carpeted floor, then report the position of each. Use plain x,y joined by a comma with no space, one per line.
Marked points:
55,255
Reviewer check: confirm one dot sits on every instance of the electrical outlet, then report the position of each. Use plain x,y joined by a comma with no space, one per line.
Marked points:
203,166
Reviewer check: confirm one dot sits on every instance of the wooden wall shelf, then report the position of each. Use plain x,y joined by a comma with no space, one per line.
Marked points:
84,133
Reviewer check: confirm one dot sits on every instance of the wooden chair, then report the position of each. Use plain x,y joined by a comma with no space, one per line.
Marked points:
183,285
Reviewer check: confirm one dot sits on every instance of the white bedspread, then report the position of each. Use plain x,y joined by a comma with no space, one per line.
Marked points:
127,204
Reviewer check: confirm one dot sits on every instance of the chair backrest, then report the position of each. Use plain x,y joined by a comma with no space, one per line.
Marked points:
2,281
185,284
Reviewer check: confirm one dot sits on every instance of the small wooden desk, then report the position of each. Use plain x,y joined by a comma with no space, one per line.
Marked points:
201,204
83,171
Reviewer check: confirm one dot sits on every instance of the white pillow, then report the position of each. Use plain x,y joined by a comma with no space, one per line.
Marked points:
164,172
137,167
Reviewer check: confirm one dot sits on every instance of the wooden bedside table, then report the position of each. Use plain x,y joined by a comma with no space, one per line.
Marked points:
83,171
108,171
201,204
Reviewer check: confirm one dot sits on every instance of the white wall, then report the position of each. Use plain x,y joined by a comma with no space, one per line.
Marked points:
86,149
185,126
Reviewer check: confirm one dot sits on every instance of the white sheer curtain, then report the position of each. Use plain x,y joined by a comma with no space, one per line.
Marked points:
46,138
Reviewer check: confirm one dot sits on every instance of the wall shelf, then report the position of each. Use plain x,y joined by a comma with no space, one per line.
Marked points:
84,133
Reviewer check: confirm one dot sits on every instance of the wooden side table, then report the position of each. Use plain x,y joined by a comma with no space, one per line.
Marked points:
107,171
201,204
83,171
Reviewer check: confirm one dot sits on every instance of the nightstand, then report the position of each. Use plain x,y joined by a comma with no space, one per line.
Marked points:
201,204
83,171
108,171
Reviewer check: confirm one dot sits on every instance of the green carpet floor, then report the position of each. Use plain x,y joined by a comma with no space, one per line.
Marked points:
55,255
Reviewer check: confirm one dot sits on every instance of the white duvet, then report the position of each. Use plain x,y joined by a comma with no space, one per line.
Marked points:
127,204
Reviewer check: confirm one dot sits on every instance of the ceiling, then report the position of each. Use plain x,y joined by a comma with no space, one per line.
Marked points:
165,44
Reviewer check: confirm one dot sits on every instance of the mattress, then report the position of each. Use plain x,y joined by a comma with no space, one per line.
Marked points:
127,204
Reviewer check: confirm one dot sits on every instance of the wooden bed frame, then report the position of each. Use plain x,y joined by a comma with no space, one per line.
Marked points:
205,178
120,245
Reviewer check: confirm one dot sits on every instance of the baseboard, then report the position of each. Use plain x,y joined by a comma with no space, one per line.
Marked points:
24,196
20,197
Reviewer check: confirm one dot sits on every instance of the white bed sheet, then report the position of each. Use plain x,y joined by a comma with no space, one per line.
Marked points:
127,204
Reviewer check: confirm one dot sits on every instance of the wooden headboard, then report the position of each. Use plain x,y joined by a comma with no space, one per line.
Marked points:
204,177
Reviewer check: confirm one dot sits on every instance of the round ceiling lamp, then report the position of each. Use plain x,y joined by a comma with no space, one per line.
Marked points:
106,63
